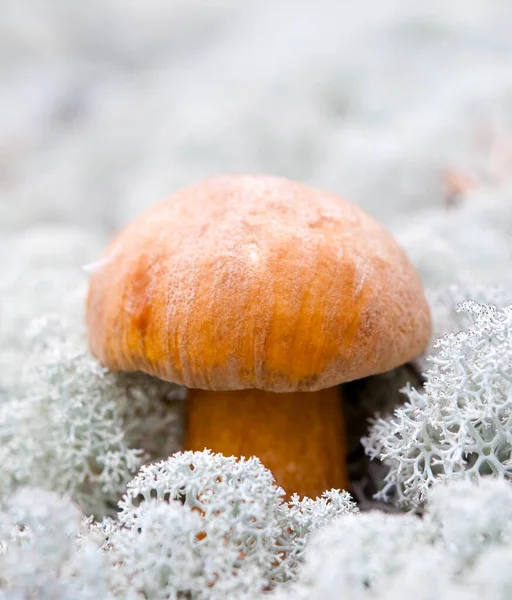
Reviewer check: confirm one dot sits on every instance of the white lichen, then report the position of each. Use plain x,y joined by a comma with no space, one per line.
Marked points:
43,554
77,429
448,554
458,426
208,526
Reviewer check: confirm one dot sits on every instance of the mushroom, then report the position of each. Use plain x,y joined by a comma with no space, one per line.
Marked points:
261,295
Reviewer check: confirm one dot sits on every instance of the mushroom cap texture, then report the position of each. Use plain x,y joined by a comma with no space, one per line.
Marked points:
250,281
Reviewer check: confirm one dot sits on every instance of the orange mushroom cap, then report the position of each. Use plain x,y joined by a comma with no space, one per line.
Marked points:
247,281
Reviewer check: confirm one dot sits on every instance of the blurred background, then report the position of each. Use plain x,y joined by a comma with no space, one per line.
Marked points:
110,105
107,106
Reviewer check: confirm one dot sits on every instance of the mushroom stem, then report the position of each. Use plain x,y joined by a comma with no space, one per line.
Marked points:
299,436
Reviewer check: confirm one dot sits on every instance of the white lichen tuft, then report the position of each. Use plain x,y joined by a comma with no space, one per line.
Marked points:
207,526
470,518
449,554
458,426
213,543
356,553
446,314
75,428
43,554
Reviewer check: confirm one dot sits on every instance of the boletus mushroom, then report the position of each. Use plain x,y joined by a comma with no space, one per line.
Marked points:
260,295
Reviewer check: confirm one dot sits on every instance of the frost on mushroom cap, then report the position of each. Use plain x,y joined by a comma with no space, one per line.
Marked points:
246,281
